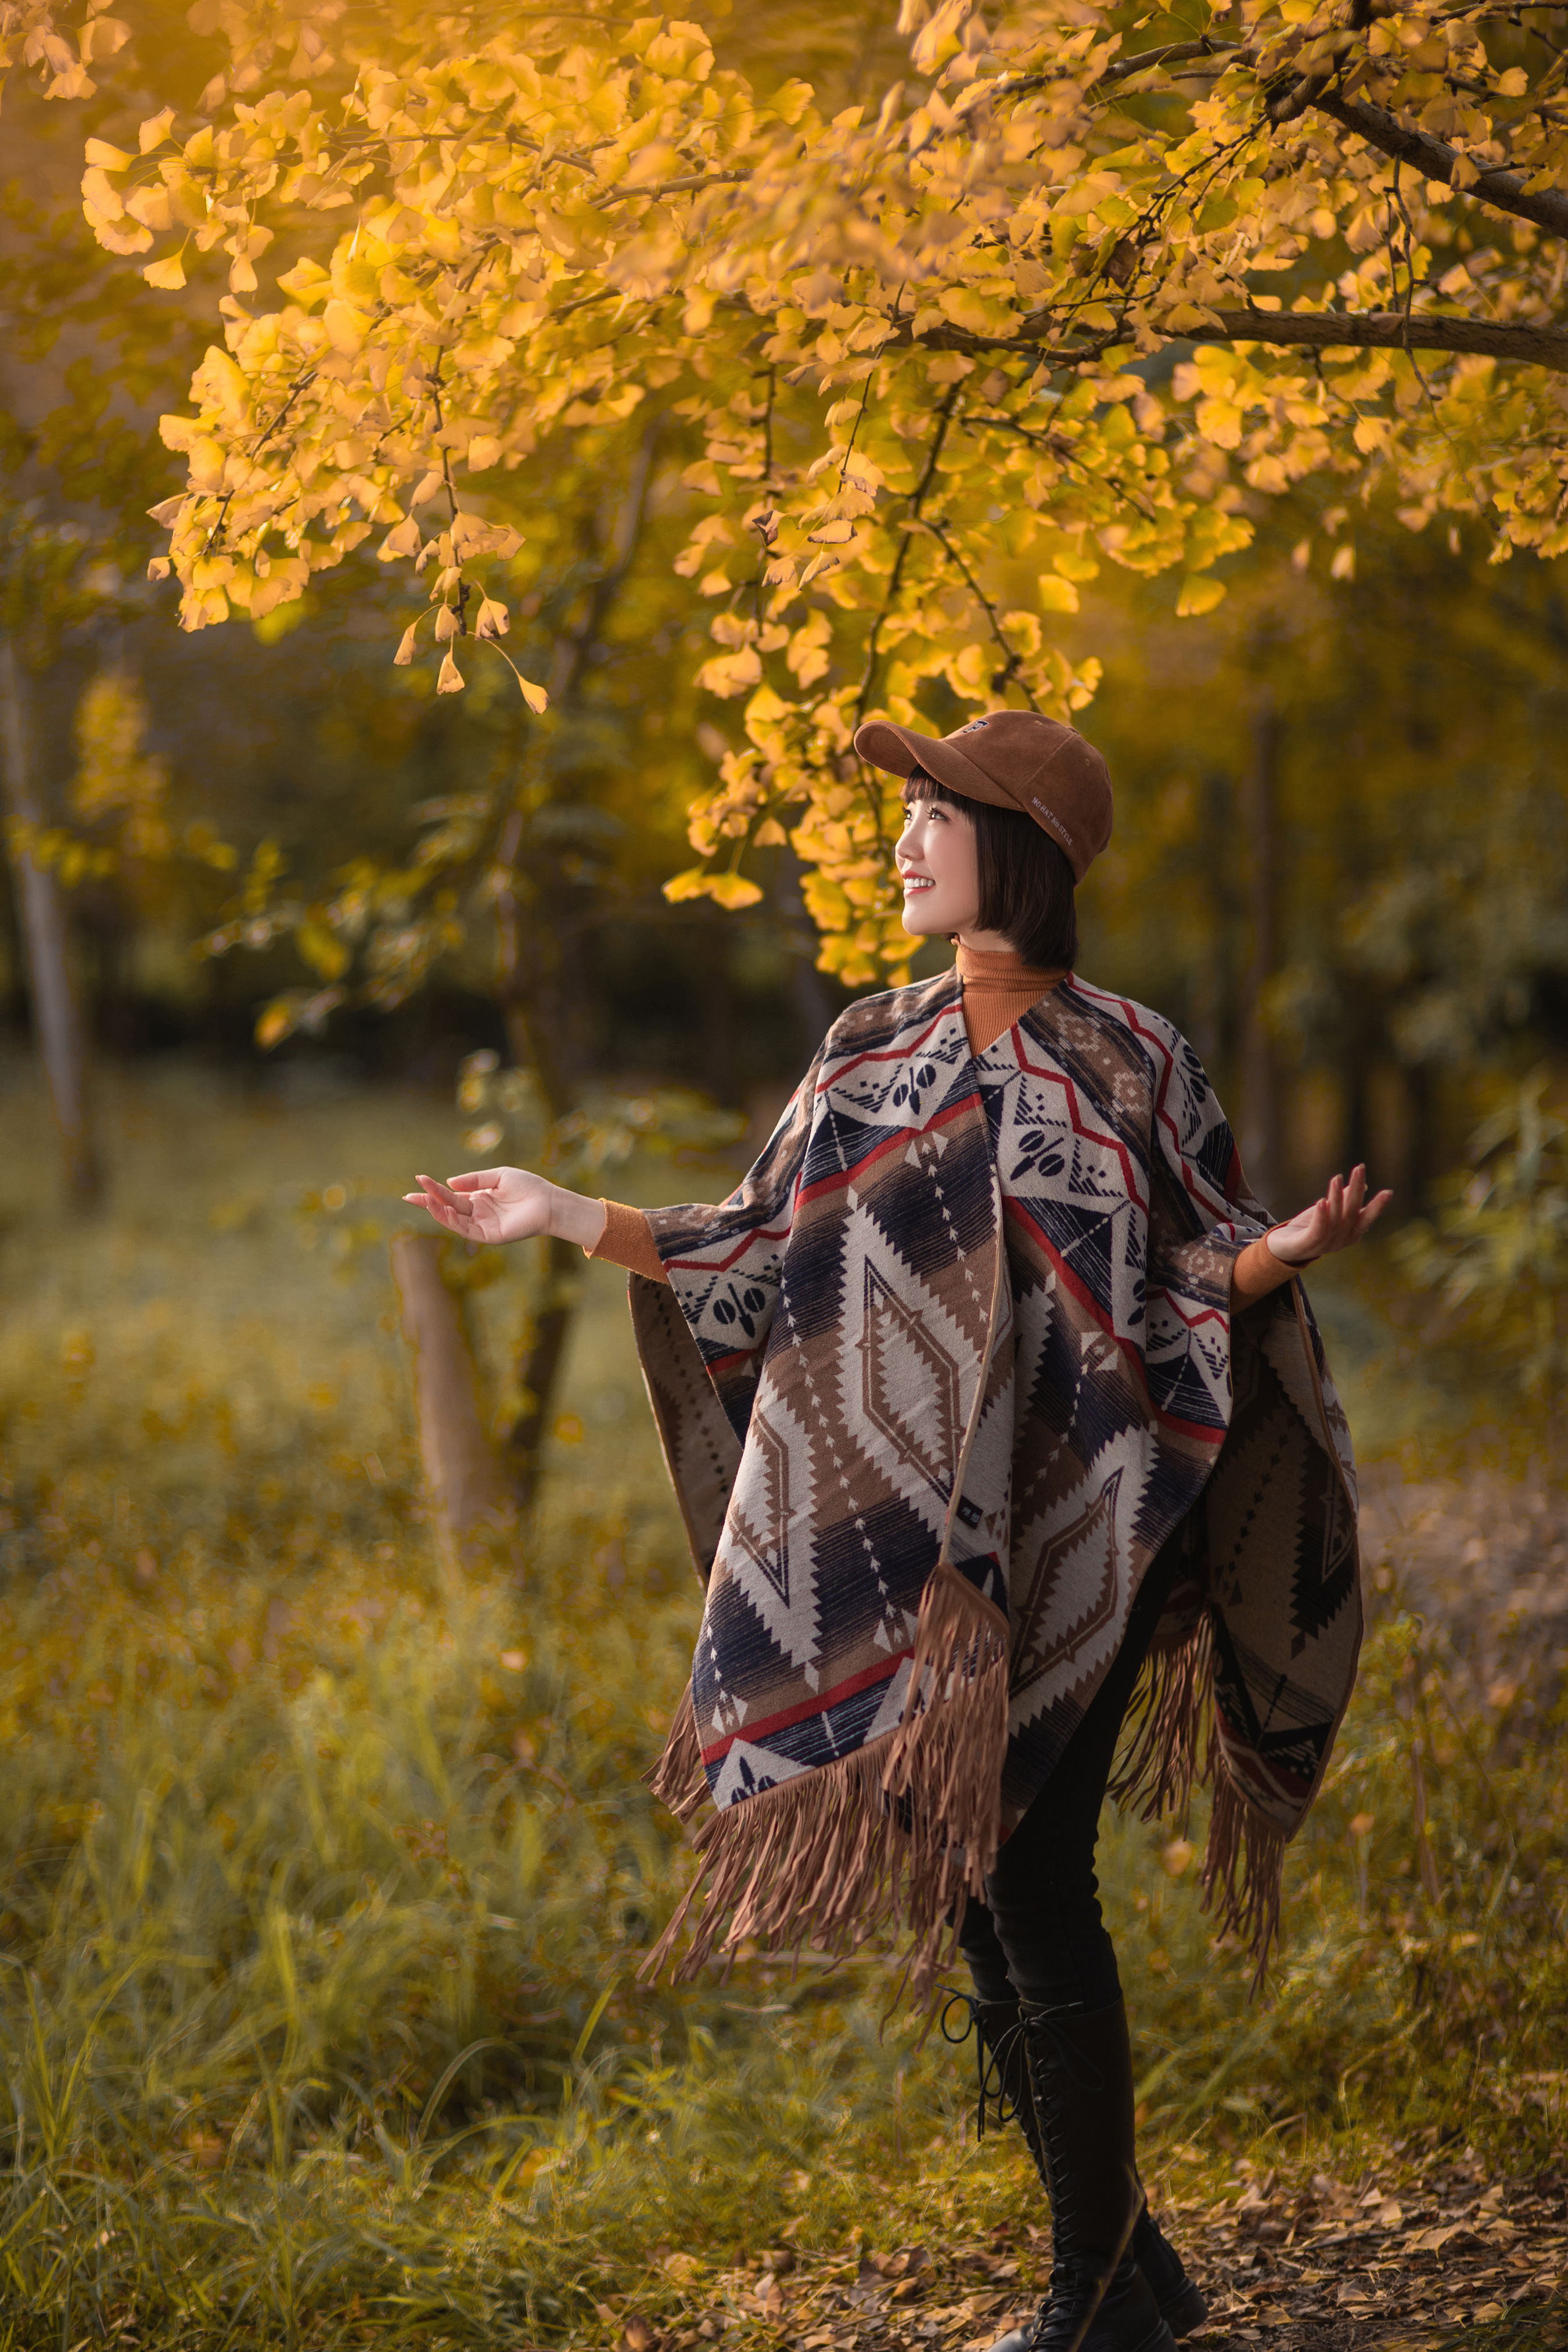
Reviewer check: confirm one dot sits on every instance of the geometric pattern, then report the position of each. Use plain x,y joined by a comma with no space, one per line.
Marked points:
1068,1610
909,1382
767,1544
766,1520
814,1360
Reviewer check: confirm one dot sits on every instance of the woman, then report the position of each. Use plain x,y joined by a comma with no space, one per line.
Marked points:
987,1384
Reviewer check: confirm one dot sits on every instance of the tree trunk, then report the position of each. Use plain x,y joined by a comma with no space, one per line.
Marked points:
1260,1139
716,1030
1216,995
1425,1143
467,1484
1356,1064
41,920
1361,1023
529,990
808,988
539,1371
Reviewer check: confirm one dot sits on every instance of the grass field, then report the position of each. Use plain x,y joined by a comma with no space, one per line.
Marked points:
325,1878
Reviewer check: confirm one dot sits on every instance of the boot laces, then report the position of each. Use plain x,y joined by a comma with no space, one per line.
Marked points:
1049,2053
1073,2062
992,2051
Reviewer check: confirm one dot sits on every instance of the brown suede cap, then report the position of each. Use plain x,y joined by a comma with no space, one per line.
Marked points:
1016,759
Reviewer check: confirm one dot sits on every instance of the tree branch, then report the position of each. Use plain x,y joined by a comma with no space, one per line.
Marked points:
1141,61
1318,330
895,577
1388,330
1507,191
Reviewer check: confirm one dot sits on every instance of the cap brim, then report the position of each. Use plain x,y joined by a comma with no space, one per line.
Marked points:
898,749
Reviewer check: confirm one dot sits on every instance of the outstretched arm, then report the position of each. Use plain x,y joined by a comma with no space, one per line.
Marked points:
1340,1216
509,1204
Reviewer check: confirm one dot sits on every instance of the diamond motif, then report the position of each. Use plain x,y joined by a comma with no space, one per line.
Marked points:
1077,1566
767,1497
909,1383
765,1550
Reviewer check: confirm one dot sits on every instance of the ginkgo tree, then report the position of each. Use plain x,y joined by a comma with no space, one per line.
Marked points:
1086,287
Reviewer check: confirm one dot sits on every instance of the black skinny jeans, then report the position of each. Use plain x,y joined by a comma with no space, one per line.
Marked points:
1041,1934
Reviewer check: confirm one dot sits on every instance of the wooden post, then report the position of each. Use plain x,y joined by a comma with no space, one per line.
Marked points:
545,1349
1259,1139
56,1014
468,1488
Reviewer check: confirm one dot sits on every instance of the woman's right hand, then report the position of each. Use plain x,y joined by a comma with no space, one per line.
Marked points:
509,1204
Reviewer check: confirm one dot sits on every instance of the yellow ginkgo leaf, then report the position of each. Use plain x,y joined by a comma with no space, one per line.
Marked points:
1199,593
345,327
1056,594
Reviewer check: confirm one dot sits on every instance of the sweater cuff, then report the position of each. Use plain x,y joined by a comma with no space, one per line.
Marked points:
627,1240
1255,1272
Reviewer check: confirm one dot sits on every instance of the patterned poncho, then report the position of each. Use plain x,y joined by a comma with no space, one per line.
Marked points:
935,1385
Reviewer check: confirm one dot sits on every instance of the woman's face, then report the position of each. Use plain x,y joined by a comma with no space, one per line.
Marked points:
939,869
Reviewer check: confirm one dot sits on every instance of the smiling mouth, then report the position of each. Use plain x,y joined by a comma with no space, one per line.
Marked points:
918,882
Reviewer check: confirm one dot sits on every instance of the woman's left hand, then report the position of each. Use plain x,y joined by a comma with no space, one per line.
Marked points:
1341,1217
509,1204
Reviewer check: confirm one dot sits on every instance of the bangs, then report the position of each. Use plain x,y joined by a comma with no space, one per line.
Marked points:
919,786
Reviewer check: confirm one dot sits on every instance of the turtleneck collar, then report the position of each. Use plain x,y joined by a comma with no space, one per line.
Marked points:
998,990
978,969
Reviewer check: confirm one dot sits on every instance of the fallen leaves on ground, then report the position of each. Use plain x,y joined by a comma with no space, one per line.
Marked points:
1329,2264
1320,2266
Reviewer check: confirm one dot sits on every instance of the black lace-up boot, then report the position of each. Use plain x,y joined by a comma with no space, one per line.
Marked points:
1080,2077
1182,2305
1004,2097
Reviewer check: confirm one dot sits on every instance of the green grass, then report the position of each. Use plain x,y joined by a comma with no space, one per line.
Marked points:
325,1880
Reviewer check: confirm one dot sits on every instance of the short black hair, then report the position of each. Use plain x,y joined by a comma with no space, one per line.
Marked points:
1026,883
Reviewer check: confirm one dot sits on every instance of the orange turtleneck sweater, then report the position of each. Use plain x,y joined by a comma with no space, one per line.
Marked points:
998,990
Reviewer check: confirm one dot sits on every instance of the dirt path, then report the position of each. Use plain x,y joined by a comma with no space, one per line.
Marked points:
1317,2268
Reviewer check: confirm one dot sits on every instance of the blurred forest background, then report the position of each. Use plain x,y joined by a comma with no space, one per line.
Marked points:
327,1865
